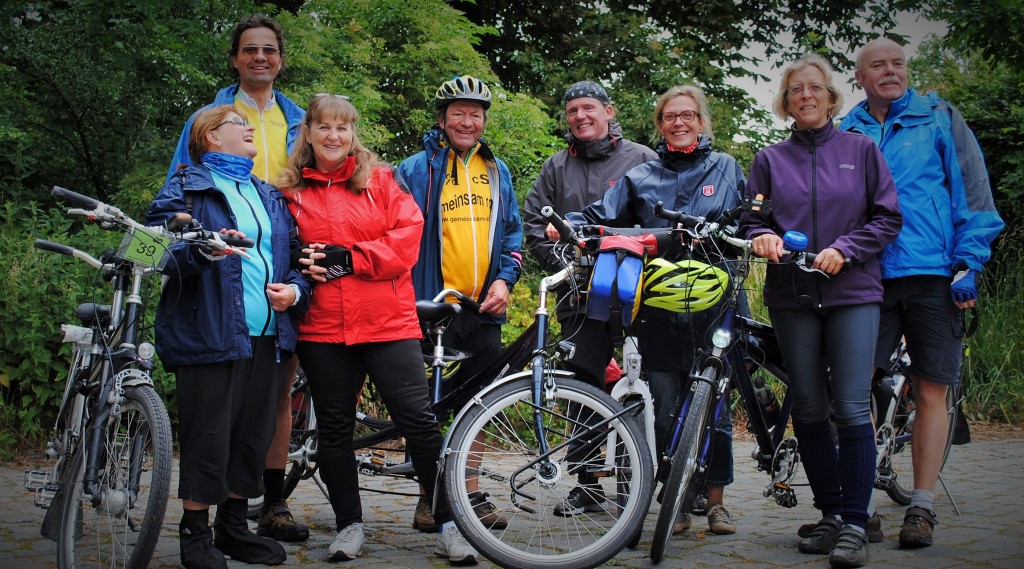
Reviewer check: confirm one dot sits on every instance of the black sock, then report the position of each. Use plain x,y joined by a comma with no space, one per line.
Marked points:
273,487
195,520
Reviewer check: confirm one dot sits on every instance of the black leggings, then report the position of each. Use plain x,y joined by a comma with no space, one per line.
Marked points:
336,373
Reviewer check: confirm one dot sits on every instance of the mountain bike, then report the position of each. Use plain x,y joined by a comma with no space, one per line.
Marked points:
737,346
106,493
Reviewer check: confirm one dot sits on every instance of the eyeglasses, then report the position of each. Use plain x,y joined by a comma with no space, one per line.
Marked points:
687,116
816,89
252,50
342,97
237,121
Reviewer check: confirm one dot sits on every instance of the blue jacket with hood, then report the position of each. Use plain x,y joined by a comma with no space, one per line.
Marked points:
949,218
424,174
293,114
702,183
201,316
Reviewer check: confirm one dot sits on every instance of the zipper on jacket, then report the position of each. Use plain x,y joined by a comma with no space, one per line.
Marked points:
267,269
814,206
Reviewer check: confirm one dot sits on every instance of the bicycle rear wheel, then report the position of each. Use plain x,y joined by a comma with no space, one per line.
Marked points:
680,490
507,466
120,525
895,469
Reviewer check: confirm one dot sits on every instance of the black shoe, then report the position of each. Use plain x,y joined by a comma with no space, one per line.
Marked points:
700,505
589,498
918,527
276,521
823,537
196,548
851,549
873,529
232,537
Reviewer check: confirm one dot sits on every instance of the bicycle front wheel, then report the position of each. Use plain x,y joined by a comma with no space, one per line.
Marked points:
119,525
680,490
495,450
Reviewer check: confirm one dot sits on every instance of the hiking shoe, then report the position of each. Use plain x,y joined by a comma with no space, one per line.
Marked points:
720,520
348,543
851,549
683,523
452,545
276,521
823,537
423,519
581,499
486,511
873,529
917,528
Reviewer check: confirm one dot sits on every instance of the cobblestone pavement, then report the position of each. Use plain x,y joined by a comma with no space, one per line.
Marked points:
985,478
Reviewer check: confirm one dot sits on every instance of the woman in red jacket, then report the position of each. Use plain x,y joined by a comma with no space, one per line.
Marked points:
362,232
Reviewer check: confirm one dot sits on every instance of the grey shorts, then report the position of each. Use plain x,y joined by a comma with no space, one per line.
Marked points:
921,310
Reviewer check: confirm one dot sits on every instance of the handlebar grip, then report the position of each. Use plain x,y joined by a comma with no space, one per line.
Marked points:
54,247
468,303
238,241
676,217
178,222
74,198
564,231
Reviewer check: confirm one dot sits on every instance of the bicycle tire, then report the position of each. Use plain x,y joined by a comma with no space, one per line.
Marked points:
680,490
899,460
122,531
535,535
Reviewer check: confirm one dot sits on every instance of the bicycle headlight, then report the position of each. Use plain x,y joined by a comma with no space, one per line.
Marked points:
721,339
147,351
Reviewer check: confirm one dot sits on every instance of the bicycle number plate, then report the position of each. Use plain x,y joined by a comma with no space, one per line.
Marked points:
144,247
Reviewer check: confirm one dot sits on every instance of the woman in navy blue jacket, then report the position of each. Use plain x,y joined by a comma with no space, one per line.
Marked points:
224,328
834,187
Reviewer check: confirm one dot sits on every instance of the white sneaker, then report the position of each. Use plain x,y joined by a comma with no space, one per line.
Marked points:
348,543
452,545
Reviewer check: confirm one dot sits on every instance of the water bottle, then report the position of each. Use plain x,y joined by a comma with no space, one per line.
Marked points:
767,401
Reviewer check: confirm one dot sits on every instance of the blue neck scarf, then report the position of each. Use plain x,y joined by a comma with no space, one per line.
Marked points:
237,168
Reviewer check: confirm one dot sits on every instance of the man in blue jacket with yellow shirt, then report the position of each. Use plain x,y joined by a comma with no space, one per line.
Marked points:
928,272
472,234
256,58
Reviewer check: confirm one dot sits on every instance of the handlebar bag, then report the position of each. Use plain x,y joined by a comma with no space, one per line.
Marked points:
615,282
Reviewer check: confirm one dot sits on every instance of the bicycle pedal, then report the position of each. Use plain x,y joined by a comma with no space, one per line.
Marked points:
784,495
35,479
44,496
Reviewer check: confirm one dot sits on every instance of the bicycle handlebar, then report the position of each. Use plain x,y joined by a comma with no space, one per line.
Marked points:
564,230
75,198
465,301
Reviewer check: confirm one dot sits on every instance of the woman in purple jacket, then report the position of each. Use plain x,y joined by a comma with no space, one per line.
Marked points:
835,188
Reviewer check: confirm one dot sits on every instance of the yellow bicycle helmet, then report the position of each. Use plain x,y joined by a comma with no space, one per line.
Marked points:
685,286
464,88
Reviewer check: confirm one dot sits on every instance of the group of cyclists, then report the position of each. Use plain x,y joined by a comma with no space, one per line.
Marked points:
345,245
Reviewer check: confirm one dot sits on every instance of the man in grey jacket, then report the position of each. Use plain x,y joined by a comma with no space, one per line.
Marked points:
570,180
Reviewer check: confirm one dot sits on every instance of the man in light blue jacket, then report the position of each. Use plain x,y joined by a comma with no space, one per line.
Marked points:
256,58
949,223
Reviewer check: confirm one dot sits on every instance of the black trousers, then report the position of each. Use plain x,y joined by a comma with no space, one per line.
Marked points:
336,373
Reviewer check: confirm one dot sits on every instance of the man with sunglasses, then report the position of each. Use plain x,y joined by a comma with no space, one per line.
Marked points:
256,58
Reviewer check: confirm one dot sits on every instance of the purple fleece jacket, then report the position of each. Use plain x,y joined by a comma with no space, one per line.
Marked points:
834,187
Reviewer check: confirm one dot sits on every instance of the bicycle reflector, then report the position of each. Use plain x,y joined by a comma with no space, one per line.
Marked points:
616,279
686,286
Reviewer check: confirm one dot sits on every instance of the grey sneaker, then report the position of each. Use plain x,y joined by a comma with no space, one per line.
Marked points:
851,549
720,520
348,543
452,545
683,523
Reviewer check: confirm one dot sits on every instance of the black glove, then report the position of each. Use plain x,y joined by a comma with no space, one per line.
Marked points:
338,261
